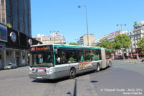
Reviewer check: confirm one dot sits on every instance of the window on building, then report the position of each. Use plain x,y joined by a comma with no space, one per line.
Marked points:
2,12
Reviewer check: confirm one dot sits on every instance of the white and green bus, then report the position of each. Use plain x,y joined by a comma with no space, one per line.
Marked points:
56,61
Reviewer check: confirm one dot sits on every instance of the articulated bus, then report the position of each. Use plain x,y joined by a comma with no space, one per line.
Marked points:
57,61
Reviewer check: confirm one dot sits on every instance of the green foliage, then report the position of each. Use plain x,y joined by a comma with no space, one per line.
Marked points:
95,46
122,40
141,44
95,57
73,43
135,23
107,44
71,60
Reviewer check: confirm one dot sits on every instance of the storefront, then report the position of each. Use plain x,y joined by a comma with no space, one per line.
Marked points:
14,47
2,56
16,56
3,40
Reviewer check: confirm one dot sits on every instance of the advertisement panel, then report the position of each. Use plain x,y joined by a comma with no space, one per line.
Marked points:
3,33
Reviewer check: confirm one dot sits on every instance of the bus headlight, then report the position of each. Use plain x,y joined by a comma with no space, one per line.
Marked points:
50,71
30,70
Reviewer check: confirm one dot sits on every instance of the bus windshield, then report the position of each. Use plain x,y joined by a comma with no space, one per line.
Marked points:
42,58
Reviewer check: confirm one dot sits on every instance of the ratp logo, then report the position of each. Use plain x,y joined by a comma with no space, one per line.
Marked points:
32,49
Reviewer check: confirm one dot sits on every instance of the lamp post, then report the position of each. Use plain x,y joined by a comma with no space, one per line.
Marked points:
86,24
121,25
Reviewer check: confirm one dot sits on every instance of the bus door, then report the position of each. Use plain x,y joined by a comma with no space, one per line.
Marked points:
61,64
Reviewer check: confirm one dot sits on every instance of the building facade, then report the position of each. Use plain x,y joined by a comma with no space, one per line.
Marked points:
138,33
54,38
15,32
109,37
87,40
16,14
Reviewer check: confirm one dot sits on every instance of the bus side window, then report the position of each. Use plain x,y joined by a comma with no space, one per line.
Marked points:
108,54
61,57
58,60
71,60
96,55
49,58
81,56
72,56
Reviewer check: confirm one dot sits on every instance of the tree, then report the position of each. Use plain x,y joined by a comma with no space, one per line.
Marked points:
107,44
135,23
73,43
122,40
141,44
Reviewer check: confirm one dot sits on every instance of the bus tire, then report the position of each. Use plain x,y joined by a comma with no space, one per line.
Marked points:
98,67
72,73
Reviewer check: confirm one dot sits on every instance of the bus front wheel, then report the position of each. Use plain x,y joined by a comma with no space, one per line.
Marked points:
72,73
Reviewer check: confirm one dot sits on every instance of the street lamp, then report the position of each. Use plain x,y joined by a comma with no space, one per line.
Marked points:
121,25
86,24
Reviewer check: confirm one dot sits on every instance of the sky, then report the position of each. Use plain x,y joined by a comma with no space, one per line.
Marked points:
65,17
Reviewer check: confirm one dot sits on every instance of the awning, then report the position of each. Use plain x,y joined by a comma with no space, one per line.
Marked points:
118,54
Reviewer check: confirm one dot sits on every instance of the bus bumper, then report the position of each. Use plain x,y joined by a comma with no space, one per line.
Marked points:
42,76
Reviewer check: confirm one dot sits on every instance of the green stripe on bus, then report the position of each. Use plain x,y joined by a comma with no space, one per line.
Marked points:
76,47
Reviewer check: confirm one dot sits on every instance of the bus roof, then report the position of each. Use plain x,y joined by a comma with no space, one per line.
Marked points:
70,46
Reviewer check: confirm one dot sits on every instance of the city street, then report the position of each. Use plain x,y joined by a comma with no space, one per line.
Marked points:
122,79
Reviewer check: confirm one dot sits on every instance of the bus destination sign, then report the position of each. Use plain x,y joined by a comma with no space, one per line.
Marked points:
41,48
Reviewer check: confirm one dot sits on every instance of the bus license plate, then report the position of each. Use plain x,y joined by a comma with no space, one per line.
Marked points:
39,77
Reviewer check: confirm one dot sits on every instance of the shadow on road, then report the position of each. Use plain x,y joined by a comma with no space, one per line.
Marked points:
93,81
50,81
93,72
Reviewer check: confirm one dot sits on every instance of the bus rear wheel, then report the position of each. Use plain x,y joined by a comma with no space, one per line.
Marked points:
98,68
72,73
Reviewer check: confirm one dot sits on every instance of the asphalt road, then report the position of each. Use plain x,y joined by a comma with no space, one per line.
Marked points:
122,79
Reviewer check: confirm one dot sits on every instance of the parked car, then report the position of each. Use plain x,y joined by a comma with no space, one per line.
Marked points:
10,66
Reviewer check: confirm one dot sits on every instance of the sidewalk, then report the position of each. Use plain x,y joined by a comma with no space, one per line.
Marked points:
136,61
